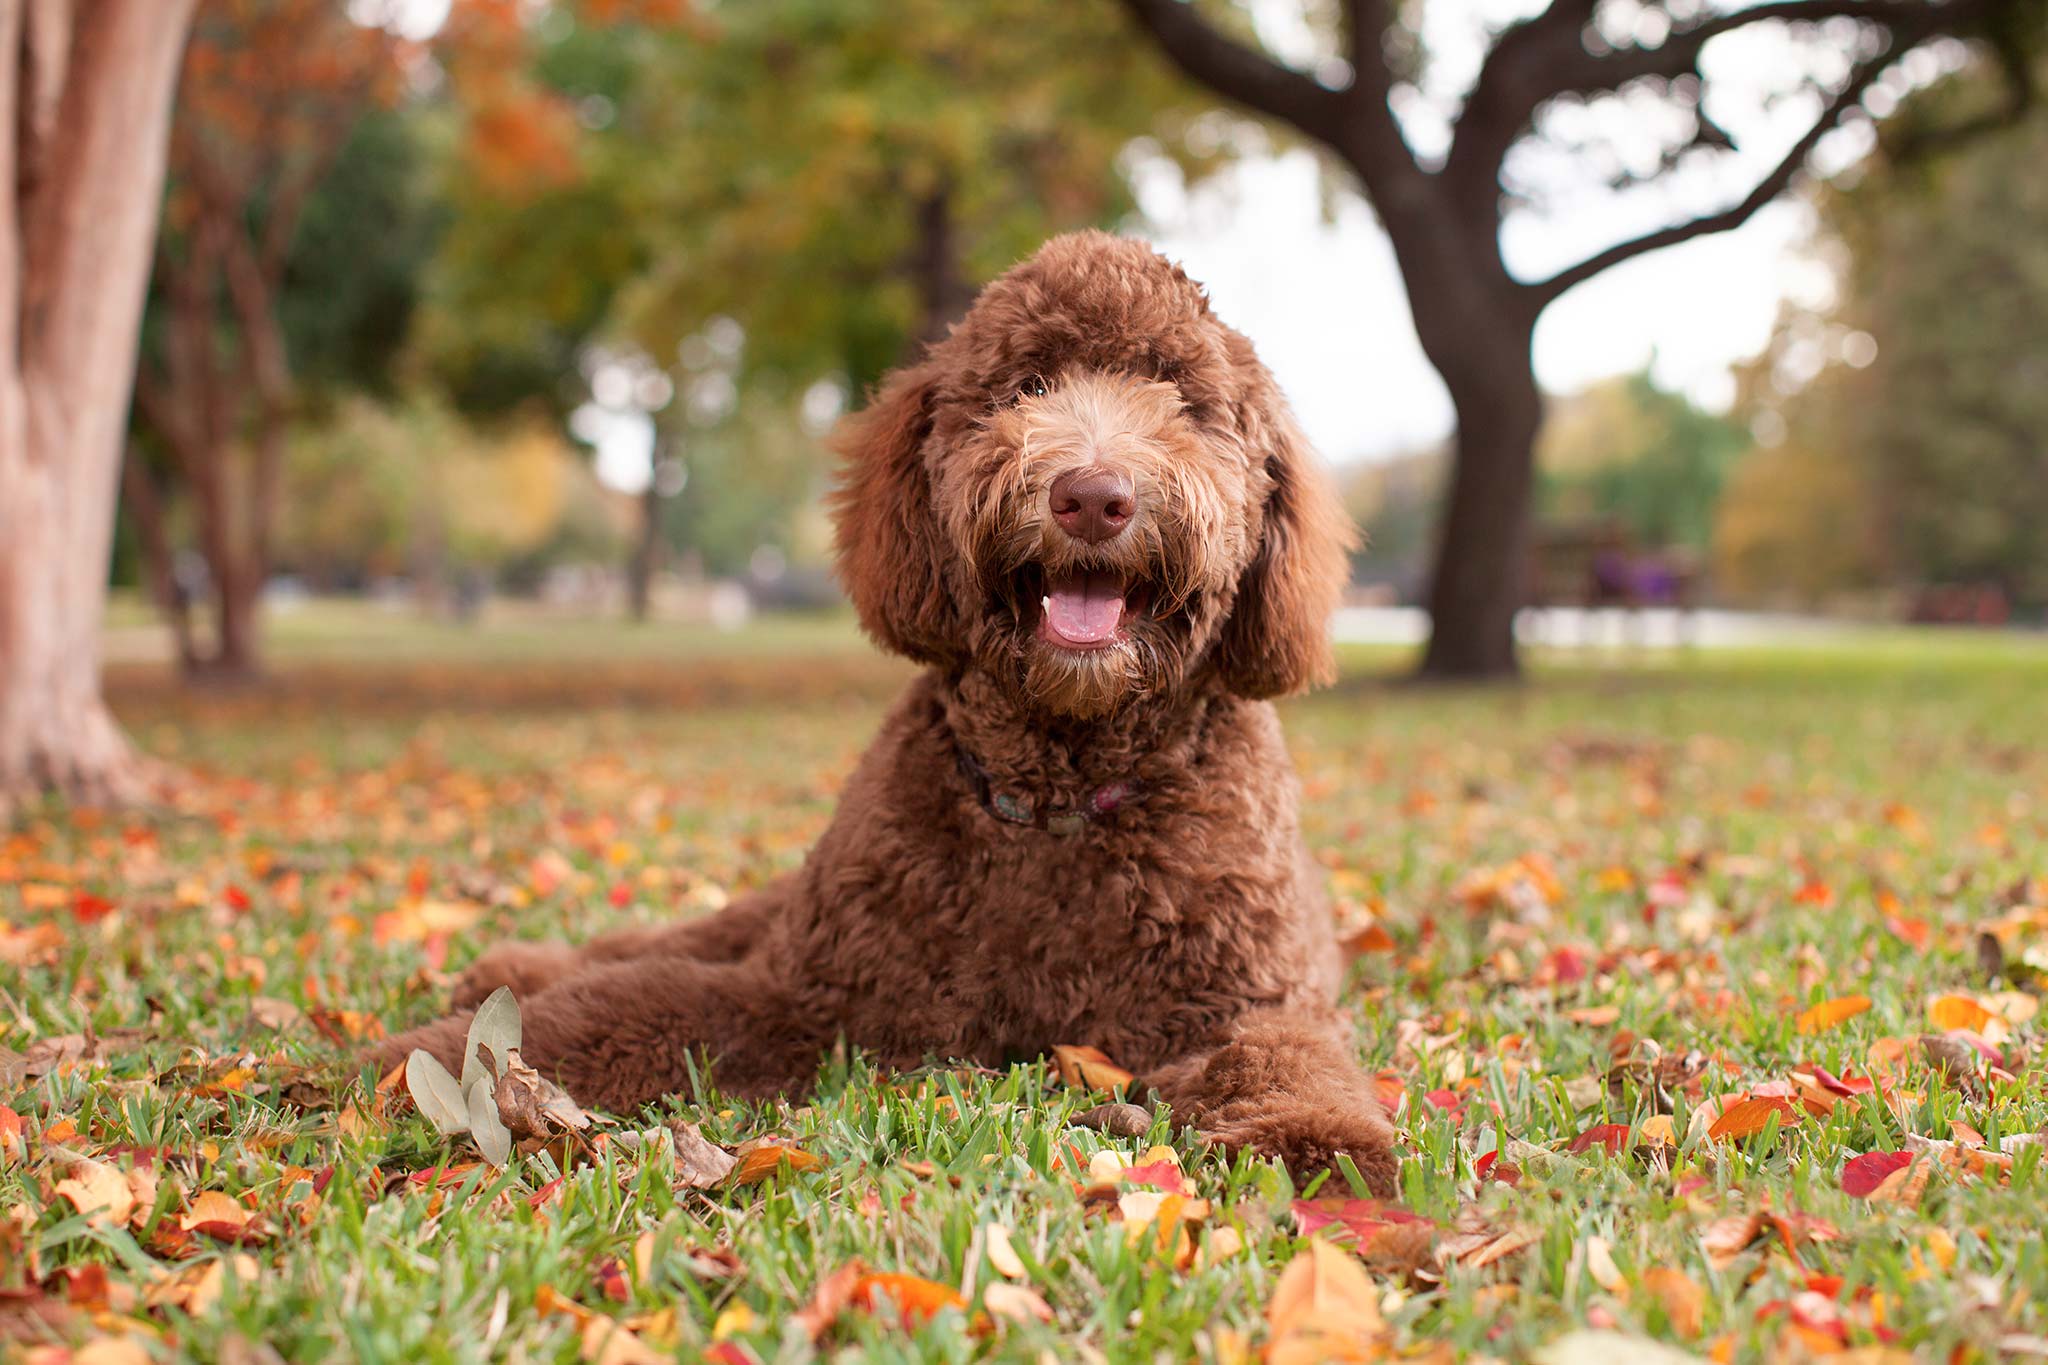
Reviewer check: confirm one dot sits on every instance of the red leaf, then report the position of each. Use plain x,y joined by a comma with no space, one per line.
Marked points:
1862,1174
1612,1136
1358,1219
1162,1175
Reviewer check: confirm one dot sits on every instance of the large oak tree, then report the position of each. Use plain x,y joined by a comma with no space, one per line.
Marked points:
85,109
1476,318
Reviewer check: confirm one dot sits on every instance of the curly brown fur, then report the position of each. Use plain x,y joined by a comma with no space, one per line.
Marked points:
1185,934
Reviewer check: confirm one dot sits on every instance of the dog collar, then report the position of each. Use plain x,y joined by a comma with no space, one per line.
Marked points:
1016,808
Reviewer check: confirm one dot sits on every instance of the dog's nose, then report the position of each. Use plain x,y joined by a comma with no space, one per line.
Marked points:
1093,504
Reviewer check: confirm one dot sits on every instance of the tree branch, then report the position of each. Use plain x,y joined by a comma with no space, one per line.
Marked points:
1238,72
1734,216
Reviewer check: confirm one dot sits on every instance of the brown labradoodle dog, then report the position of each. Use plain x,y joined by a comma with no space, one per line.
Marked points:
1089,513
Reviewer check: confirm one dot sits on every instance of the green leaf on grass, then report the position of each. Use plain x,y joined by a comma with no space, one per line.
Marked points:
435,1093
495,1025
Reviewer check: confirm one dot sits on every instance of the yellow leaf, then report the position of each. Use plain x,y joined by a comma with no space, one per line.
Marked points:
1658,1130
1829,1013
735,1319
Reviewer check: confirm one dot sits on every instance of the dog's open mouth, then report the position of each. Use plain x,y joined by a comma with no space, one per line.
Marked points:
1084,609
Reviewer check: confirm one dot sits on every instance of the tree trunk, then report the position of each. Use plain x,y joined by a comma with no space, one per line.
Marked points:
647,550
85,95
159,567
1480,577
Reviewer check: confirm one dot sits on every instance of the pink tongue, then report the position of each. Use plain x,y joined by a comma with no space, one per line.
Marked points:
1085,609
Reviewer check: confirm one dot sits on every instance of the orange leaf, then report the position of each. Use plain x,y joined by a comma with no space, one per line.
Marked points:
1683,1300
1829,1013
917,1300
1324,1308
765,1160
1087,1068
1958,1011
1751,1115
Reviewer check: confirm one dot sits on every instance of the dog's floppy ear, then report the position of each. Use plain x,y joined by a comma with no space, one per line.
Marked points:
1277,639
887,540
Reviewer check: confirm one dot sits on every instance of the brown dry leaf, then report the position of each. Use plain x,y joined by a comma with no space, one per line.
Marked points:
1087,1068
98,1191
1324,1308
532,1106
1117,1120
700,1162
1001,1254
1828,1013
1015,1303
1684,1301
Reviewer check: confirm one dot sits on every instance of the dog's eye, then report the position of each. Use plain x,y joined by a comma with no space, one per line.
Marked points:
1034,387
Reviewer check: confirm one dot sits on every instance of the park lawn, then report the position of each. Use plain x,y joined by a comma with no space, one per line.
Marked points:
1588,916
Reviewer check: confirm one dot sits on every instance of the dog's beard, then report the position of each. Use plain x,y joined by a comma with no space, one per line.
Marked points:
1144,663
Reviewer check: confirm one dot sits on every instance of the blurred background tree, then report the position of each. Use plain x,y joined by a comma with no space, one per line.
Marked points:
85,112
270,100
1632,454
1447,190
1908,421
827,183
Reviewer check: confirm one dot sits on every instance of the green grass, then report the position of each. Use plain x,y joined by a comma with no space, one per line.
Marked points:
1897,774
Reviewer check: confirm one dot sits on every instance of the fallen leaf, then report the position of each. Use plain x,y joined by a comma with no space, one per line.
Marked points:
1828,1013
1324,1308
1958,1011
831,1298
1861,1175
1750,1115
916,1300
700,1162
532,1106
1086,1068
1683,1300
759,1163
98,1191
1001,1254
1116,1120
495,1027
435,1093
1015,1303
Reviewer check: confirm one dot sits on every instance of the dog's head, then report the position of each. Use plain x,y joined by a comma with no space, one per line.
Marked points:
1093,491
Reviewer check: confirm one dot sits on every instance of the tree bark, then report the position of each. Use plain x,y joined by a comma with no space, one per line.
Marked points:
646,550
85,89
1480,577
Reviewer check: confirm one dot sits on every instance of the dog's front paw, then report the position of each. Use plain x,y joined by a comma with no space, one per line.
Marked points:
528,968
1308,1138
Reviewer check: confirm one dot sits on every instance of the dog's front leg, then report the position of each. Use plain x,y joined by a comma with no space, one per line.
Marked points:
1284,1085
531,966
618,1035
